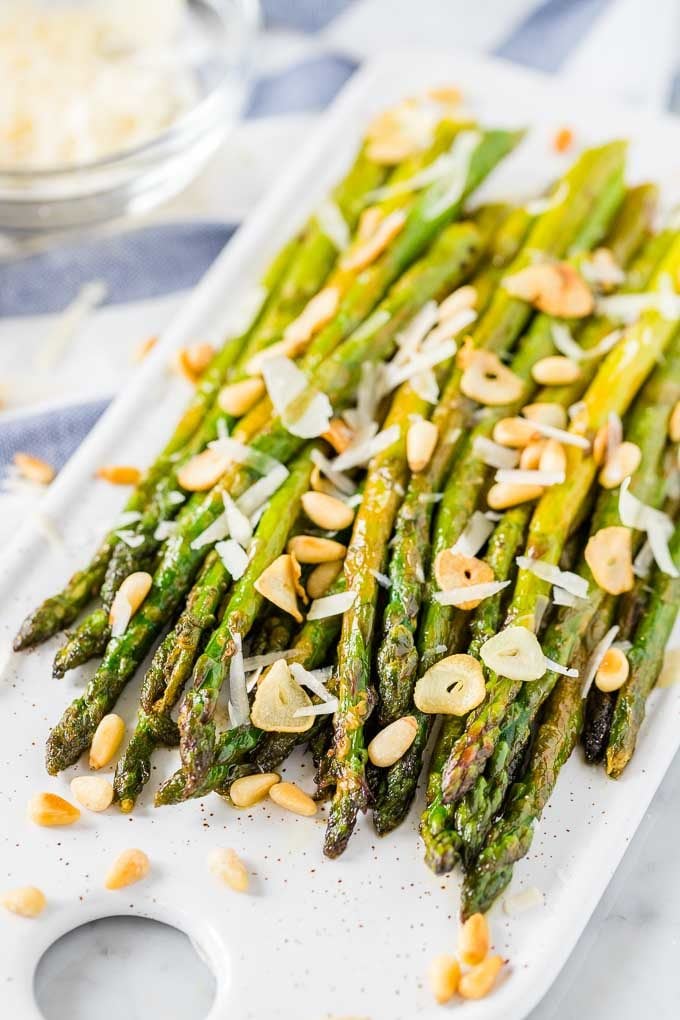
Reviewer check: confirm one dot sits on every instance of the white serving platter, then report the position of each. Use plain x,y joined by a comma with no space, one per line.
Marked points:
314,939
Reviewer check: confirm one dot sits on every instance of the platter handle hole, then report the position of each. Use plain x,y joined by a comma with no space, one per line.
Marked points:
123,966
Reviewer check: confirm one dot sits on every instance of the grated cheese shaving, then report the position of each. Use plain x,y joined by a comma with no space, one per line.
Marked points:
311,681
657,525
474,535
382,579
557,667
255,497
493,454
567,438
523,476
564,579
286,383
331,605
239,706
360,453
324,708
469,593
333,224
327,468
627,308
65,329
240,528
538,206
565,343
233,556
239,453
130,538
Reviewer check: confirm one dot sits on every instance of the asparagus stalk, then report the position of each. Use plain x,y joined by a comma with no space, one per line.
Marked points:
645,659
615,385
247,745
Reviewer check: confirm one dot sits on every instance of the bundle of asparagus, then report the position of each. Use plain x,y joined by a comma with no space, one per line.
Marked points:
414,488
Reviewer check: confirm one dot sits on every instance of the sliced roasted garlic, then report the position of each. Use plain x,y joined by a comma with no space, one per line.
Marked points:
421,440
453,570
514,653
278,584
277,699
609,555
553,287
315,315
488,381
453,686
621,463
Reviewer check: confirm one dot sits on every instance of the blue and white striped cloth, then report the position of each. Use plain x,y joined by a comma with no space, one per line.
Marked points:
308,51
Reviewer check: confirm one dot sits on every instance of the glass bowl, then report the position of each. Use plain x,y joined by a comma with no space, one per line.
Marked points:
215,46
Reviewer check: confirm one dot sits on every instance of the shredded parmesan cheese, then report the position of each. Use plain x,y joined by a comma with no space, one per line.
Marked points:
565,343
331,605
469,593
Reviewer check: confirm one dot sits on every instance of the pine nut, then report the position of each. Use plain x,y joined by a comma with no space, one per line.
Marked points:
34,469
144,348
368,222
674,424
292,798
552,287
249,790
553,457
321,578
27,901
514,432
623,462
278,584
48,809
546,413
238,398
128,599
563,140
613,670
119,474
609,556
106,740
192,361
310,549
339,435
600,444
129,867
458,301
444,975
488,381
94,792
473,941
421,440
393,742
229,868
202,472
361,255
327,512
479,981
555,370
530,456
504,495
315,315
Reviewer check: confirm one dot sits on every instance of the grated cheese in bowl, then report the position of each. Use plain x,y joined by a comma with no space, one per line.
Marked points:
84,82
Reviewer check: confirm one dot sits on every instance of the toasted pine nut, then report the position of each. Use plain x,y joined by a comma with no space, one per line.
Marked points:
310,549
94,792
563,140
391,150
514,432
488,381
192,361
553,457
613,670
129,867
321,578
609,556
546,413
106,740
292,798
316,313
50,809
143,348
674,424
460,299
421,440
361,255
448,95
600,444
444,975
229,868
201,472
33,468
339,435
119,474
473,941
128,599
327,511
248,790
623,462
479,981
503,495
278,584
368,222
555,370
27,901
393,742
530,456
238,398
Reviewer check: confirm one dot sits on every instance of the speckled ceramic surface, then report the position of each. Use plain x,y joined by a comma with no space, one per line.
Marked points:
314,939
